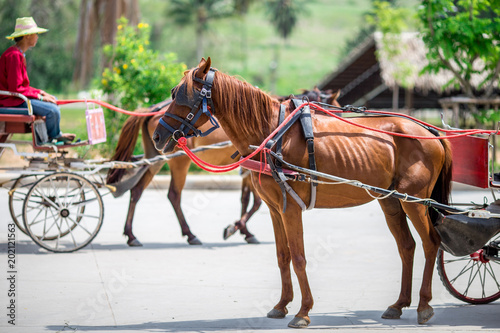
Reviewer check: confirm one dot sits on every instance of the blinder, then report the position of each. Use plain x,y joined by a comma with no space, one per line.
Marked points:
198,101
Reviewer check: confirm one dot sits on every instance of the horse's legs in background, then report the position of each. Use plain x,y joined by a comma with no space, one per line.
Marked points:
135,196
430,242
396,220
179,167
247,190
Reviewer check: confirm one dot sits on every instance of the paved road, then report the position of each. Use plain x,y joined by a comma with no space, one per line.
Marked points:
221,286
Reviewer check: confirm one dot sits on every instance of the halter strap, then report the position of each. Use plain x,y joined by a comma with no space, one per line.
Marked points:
199,106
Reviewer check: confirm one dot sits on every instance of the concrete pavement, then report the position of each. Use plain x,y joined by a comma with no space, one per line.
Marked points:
221,286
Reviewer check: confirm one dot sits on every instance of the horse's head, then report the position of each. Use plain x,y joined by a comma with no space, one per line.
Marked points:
190,108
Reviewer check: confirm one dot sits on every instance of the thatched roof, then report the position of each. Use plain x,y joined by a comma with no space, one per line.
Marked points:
371,71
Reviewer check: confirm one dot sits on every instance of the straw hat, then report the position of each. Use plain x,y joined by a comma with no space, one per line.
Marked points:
26,26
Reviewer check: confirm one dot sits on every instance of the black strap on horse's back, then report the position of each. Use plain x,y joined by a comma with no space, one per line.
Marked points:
276,167
307,128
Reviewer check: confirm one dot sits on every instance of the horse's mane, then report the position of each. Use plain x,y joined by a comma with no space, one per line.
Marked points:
240,103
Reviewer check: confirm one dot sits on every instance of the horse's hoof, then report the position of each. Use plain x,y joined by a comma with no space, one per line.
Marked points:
276,314
425,315
134,242
392,313
252,240
229,231
194,241
299,322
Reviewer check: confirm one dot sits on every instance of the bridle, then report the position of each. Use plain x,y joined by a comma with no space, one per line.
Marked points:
200,103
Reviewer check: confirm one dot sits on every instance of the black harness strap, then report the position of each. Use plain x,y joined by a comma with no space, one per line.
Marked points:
276,168
306,122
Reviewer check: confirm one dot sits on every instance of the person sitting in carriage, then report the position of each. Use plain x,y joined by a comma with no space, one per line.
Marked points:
14,78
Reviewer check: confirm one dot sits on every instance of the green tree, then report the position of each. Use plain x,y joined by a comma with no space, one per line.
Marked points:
463,36
283,15
391,20
138,77
199,13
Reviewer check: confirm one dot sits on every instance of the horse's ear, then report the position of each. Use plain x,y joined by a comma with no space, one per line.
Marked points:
204,66
336,95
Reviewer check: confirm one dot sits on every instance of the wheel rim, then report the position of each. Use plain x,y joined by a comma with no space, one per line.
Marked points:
17,196
474,278
63,212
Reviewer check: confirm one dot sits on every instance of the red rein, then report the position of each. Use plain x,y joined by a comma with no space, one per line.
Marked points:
225,168
109,106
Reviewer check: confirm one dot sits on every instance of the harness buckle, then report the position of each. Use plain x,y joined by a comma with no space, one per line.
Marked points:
203,92
190,116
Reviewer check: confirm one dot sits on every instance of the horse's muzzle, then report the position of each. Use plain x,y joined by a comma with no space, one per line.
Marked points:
163,140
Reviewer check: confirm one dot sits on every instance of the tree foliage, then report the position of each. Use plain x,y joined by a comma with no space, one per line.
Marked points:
391,20
138,77
199,13
283,15
463,36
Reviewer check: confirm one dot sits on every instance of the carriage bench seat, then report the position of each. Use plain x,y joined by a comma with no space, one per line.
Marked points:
15,123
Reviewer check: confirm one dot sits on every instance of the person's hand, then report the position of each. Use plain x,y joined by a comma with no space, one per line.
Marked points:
46,97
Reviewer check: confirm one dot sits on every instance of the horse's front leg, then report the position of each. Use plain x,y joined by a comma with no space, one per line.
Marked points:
284,258
292,220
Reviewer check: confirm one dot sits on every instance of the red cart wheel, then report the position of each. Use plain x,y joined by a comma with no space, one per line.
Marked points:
474,278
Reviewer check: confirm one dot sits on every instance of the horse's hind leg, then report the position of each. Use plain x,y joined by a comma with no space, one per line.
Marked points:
135,196
430,242
247,190
179,167
249,237
396,220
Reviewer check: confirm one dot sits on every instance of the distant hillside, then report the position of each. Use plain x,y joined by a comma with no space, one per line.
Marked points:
310,54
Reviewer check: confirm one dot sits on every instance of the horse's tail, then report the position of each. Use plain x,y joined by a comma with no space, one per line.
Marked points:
126,143
442,188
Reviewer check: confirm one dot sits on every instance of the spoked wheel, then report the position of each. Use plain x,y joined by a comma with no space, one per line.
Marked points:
63,212
17,195
474,278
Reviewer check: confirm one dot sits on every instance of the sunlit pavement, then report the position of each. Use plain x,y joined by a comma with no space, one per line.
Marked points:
221,286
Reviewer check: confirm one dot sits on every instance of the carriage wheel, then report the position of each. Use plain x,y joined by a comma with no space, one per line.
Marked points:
17,195
474,278
63,212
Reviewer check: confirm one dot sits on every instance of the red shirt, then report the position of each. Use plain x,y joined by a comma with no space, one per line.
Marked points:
14,77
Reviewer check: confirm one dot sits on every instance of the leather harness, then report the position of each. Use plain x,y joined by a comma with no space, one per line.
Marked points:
276,167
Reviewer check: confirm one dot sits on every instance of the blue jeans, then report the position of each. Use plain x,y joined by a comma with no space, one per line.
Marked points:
51,113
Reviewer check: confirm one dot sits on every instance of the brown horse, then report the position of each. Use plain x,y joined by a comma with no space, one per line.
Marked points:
179,167
418,167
